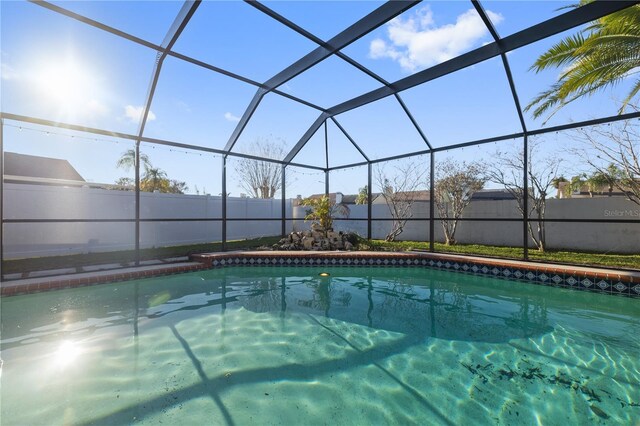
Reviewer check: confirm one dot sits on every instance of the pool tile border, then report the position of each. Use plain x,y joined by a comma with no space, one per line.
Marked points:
19,287
605,281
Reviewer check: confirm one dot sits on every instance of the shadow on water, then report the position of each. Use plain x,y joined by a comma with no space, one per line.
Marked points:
217,385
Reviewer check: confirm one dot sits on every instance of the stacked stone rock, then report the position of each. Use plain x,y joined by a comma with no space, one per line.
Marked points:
314,240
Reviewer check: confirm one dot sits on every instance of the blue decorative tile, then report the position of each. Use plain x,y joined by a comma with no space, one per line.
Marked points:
556,279
587,282
543,277
530,276
571,281
636,288
603,284
620,287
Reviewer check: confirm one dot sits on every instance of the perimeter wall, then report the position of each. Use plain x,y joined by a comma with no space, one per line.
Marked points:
26,201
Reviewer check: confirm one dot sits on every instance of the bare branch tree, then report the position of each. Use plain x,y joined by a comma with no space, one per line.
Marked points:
507,170
261,179
613,151
455,184
399,191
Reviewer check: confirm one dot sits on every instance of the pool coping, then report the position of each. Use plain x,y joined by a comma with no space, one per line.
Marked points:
599,280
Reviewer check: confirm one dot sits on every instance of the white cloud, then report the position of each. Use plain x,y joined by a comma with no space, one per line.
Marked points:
417,42
134,114
230,117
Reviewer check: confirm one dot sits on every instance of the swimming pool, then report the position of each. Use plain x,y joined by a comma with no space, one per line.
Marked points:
286,346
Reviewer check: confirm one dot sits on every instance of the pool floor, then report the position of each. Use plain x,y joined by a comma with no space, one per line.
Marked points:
285,346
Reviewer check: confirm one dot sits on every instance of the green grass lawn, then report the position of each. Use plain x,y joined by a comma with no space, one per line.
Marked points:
630,261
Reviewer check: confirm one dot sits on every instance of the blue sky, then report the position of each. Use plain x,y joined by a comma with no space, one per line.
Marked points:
59,69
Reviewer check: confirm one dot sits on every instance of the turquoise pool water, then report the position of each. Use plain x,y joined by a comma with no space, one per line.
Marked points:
285,346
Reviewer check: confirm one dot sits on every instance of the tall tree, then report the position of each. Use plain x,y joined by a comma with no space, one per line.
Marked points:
557,183
127,160
455,184
363,195
602,55
507,170
613,151
261,179
154,179
399,190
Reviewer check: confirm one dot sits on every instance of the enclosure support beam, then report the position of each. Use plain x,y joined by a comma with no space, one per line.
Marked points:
180,22
432,179
224,203
326,145
283,185
305,138
137,213
373,20
153,46
369,198
581,15
525,199
163,142
413,120
505,62
244,120
344,132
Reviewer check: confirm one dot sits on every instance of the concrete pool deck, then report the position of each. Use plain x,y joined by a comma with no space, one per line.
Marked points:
601,280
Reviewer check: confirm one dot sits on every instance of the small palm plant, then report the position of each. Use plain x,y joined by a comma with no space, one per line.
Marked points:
322,211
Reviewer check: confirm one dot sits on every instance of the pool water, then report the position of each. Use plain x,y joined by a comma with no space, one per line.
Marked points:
286,346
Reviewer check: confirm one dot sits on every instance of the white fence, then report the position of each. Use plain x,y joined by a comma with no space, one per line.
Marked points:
24,201
596,237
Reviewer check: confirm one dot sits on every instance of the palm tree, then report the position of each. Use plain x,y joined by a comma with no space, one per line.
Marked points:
154,179
128,160
601,55
557,184
363,195
577,182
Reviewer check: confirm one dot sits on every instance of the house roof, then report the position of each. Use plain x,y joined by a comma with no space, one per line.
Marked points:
492,194
39,167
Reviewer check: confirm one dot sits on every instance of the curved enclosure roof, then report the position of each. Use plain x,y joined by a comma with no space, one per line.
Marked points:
336,83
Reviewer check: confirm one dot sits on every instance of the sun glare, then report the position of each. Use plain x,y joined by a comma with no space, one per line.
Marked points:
67,352
65,83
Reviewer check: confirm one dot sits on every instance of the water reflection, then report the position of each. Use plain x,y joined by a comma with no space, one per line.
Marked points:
440,308
432,303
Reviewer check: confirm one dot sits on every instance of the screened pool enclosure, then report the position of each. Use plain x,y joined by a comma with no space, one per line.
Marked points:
131,130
